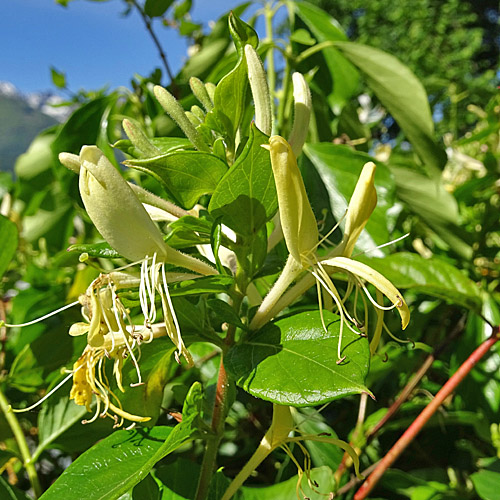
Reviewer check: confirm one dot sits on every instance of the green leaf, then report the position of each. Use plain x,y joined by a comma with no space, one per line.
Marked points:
8,246
339,168
246,196
435,206
58,414
186,174
433,276
9,492
312,422
83,126
400,91
156,8
38,158
208,284
345,77
100,250
120,461
293,361
486,484
58,78
286,490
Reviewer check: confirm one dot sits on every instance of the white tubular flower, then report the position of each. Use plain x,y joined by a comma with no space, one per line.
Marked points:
124,223
302,106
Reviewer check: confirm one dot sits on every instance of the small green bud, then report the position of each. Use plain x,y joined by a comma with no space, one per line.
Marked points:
139,138
170,104
200,92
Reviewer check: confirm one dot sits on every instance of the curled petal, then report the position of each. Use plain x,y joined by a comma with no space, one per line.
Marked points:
376,279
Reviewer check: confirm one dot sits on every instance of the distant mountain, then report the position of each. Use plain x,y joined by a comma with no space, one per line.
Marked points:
22,117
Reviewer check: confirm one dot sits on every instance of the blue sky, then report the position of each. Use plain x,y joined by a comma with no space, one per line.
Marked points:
90,42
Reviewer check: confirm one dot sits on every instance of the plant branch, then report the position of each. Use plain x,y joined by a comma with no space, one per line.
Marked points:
163,56
15,426
417,425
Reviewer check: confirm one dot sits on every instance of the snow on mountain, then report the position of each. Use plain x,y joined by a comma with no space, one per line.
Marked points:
46,102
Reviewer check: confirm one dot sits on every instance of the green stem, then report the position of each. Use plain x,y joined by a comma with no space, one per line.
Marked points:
21,443
218,416
275,436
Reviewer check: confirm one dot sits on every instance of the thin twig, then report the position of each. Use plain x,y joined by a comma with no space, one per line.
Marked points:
417,425
163,56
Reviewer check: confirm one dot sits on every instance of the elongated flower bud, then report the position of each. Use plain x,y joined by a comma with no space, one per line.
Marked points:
361,206
70,161
297,218
139,138
302,113
170,104
200,92
115,210
260,90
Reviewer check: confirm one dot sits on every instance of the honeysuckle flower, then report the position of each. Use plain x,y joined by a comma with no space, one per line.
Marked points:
124,223
302,106
302,239
279,435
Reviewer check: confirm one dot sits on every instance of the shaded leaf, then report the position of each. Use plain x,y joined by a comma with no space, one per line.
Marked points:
400,91
186,174
339,168
486,483
431,276
8,243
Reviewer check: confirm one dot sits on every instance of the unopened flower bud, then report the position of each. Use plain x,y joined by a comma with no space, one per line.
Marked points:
139,138
297,218
260,90
361,206
302,113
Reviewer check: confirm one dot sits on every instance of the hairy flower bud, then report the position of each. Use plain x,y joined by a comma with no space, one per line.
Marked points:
302,113
260,90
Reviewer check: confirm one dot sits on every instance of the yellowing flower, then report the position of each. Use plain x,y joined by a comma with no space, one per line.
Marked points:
301,237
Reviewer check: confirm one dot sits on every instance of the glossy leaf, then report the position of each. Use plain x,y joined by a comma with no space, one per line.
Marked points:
293,361
433,276
339,168
246,196
117,463
435,206
486,483
8,246
394,83
100,250
186,174
345,76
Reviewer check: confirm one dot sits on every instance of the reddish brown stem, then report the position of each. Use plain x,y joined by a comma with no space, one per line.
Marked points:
412,431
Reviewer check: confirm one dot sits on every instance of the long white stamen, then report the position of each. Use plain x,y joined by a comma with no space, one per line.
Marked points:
376,304
40,401
171,309
383,245
124,335
41,318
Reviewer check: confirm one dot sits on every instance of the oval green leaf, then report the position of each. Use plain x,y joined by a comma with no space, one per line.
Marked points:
293,361
8,246
186,174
